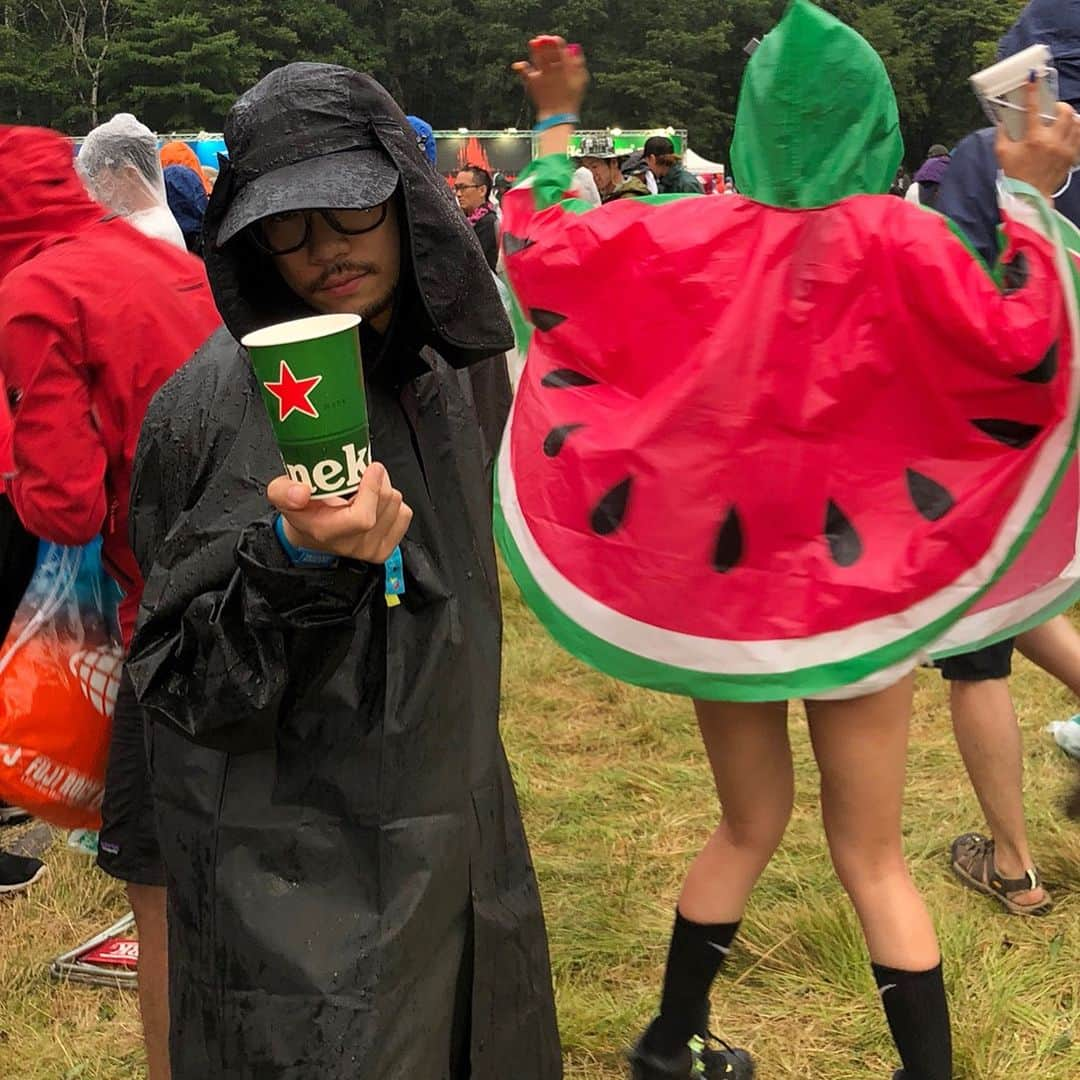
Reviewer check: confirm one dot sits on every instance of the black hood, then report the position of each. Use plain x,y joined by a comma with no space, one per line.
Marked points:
320,109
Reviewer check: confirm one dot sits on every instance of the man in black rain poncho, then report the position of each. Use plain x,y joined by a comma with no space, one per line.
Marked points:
350,891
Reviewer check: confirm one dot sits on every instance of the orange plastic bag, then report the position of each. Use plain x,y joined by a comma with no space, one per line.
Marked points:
59,675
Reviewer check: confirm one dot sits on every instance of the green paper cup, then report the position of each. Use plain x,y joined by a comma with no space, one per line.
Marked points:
312,385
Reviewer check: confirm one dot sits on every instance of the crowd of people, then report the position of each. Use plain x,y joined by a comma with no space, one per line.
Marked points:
307,797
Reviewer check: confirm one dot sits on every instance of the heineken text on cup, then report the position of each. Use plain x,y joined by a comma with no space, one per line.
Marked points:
312,384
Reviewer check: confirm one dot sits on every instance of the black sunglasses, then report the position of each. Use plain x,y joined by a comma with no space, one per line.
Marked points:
282,234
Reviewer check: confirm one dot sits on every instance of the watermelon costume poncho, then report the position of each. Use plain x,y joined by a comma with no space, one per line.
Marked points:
788,447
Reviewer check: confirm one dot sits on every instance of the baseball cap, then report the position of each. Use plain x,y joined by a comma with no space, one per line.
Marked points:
297,140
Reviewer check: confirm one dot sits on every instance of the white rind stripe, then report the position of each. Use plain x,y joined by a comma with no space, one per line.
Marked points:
732,657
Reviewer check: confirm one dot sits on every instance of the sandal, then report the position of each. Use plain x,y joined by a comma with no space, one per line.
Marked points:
973,864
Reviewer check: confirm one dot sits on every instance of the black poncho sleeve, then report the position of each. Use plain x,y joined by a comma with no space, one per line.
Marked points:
225,622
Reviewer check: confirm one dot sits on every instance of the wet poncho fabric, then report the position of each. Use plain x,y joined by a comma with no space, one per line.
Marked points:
119,164
819,445
350,891
805,142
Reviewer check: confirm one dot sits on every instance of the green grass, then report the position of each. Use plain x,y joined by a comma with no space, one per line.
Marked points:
617,799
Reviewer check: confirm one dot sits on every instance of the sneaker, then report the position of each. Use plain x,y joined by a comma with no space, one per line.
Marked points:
727,1063
18,872
12,815
646,1066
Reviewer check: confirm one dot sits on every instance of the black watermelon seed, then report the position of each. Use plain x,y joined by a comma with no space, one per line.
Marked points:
729,543
557,436
1015,274
560,378
929,497
844,543
611,509
513,244
1045,370
545,320
1010,432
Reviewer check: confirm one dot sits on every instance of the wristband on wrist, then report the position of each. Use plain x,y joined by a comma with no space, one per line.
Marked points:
555,121
298,556
394,574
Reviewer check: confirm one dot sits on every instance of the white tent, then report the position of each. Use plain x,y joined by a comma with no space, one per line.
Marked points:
698,165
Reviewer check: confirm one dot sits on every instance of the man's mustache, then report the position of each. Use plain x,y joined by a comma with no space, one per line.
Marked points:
341,270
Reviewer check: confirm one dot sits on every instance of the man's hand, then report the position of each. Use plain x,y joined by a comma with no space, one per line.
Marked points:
554,76
366,527
1047,152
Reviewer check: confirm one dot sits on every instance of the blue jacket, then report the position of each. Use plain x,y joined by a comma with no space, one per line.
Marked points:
968,193
187,201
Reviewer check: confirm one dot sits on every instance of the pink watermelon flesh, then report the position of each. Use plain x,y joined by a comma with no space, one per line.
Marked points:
703,453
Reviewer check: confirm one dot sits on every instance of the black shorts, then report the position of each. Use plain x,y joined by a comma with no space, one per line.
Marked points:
993,662
128,845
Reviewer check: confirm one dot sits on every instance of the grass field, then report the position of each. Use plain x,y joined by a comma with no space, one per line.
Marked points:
617,800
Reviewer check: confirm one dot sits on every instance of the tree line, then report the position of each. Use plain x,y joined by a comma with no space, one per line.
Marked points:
179,64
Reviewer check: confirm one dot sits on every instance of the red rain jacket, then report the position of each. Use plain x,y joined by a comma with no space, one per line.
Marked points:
7,433
94,317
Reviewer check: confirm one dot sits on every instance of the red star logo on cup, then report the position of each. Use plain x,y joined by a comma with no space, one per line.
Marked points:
293,394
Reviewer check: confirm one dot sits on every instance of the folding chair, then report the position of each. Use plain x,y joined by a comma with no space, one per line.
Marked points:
107,959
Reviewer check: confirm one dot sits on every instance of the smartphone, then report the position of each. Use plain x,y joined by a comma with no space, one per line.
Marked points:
1002,89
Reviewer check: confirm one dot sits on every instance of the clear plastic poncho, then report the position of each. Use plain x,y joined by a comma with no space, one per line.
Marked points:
119,164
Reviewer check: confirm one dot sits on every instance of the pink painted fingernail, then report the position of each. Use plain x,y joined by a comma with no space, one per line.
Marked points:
573,50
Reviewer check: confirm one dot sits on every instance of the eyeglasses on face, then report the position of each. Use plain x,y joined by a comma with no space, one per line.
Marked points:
282,234
465,187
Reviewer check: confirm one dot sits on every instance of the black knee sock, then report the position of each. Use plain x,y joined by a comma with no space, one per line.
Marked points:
918,1015
695,956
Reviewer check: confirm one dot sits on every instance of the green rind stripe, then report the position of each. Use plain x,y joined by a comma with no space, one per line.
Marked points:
1070,236
807,682
969,247
552,176
523,329
1055,607
632,668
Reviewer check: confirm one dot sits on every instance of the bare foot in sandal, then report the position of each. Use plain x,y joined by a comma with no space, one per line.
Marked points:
974,864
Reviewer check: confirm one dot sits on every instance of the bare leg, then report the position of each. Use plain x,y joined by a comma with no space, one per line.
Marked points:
861,750
148,905
1055,647
751,761
750,755
990,743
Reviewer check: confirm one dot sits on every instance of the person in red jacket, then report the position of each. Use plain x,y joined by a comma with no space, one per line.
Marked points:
94,317
18,554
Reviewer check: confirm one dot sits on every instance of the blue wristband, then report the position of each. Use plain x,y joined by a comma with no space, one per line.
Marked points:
394,573
305,557
555,121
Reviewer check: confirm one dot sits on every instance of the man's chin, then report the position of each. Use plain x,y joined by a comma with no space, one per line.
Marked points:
364,306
